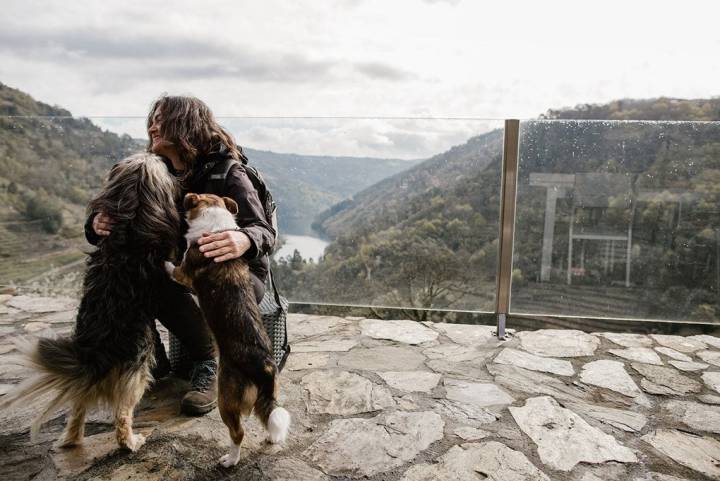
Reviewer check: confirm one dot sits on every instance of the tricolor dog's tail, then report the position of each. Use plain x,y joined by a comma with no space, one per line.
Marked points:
58,372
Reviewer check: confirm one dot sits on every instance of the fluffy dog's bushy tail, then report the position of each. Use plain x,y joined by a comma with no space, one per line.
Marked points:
58,372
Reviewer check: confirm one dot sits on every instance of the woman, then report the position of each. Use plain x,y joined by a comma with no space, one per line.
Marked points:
184,132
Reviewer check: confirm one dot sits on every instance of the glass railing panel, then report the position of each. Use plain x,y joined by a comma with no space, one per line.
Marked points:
379,212
618,219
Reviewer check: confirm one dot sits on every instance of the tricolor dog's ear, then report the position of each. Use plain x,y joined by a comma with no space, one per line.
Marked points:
230,205
190,201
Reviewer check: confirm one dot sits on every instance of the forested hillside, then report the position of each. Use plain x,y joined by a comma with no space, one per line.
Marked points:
427,238
50,162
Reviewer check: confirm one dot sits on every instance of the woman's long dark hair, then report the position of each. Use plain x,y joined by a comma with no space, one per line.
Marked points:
190,125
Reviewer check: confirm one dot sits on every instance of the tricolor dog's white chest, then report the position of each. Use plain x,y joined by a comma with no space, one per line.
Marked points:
209,219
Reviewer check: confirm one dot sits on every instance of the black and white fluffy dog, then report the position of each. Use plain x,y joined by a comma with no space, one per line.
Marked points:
108,357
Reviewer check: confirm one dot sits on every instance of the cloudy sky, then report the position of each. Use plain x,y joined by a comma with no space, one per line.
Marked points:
356,58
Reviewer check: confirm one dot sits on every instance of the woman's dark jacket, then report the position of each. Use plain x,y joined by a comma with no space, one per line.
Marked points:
250,217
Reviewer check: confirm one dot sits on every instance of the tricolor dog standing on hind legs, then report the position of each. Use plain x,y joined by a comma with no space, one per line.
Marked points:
247,373
108,357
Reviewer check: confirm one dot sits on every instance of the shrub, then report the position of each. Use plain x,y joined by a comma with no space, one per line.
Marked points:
40,207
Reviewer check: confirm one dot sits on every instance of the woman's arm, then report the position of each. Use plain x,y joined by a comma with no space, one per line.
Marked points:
97,226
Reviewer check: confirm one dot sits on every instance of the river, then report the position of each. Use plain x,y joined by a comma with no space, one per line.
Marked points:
309,247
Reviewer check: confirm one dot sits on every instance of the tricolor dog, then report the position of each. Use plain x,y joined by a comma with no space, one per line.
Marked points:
247,373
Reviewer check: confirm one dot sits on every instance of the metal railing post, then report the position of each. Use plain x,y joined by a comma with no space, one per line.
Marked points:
508,194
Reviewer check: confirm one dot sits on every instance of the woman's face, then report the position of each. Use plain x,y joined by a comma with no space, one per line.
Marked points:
160,145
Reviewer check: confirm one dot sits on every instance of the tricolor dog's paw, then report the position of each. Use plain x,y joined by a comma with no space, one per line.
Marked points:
230,459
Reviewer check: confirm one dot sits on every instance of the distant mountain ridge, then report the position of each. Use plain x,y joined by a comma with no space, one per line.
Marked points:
305,185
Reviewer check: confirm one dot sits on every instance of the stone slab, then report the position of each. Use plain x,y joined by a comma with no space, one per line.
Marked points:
469,433
458,361
298,361
467,334
710,357
411,381
42,304
668,377
493,460
325,345
305,326
699,453
610,375
478,394
456,353
679,343
639,354
534,363
290,469
628,421
701,417
653,388
672,353
712,380
407,332
713,341
709,399
383,358
32,327
564,439
688,366
365,447
464,413
343,393
659,477
628,339
530,382
559,343
61,317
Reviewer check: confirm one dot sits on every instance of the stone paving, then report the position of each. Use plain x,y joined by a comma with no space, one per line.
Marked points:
400,400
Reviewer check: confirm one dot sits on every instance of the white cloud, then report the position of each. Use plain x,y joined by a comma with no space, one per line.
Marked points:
386,138
359,57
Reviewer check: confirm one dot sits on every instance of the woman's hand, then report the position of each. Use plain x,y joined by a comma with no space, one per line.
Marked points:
102,224
224,246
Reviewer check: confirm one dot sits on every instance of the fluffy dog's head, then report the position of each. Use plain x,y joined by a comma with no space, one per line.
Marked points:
140,196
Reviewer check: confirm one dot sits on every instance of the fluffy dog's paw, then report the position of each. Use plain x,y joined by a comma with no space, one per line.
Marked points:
68,443
169,268
134,443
